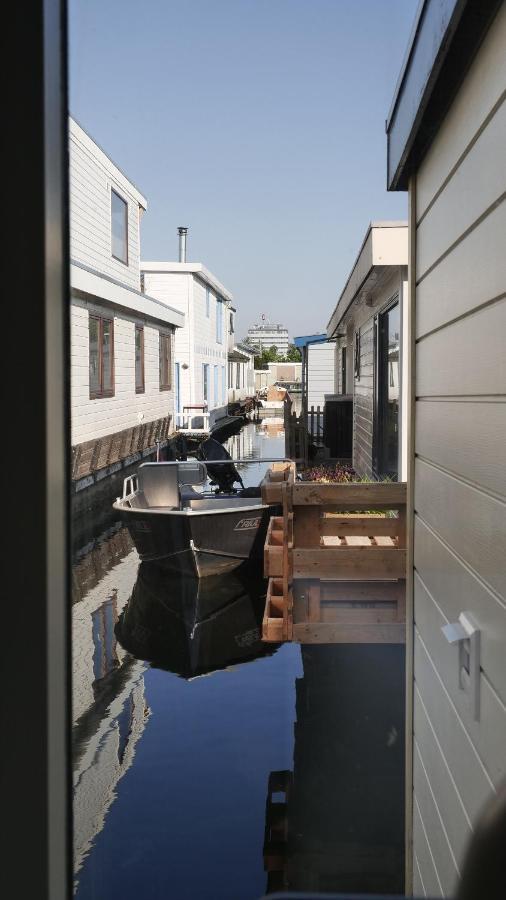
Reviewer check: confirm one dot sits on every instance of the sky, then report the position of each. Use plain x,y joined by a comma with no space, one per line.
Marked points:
259,124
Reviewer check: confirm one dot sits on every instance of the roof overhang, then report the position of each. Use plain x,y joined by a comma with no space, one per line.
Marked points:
444,40
385,246
196,269
306,339
99,287
236,355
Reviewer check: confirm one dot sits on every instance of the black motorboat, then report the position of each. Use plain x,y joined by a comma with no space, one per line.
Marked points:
192,517
193,627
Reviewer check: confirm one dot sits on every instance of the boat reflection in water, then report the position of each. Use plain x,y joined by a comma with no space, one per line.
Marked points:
192,626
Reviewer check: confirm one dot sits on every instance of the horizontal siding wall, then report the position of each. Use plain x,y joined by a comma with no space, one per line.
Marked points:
320,373
207,350
95,418
460,465
91,181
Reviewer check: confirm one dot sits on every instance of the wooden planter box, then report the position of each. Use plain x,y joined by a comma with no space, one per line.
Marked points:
278,475
337,571
277,620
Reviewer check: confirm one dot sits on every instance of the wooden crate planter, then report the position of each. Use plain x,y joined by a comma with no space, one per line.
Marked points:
279,474
278,618
337,572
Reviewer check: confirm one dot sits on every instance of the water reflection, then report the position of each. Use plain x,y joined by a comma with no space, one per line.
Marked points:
108,704
335,823
193,627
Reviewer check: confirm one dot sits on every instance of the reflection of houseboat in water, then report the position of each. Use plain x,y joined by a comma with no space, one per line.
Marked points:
192,626
109,708
335,824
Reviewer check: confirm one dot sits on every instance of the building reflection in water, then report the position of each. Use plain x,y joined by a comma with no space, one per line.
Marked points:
108,705
336,823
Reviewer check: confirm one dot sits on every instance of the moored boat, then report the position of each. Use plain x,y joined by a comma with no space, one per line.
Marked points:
190,517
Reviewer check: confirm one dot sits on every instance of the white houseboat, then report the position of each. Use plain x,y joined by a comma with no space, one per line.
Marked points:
122,374
201,345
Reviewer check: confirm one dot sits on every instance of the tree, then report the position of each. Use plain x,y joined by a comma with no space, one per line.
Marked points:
293,354
266,356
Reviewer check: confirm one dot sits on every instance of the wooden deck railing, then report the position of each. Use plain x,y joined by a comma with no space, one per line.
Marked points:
336,562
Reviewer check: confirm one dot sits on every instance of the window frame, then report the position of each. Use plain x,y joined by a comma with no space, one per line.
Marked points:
205,382
219,321
107,392
356,359
139,389
382,380
164,337
125,202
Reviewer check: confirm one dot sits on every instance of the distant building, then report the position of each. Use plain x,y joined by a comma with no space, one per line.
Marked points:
122,392
266,336
201,346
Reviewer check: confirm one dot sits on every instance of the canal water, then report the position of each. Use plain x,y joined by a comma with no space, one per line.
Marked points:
209,765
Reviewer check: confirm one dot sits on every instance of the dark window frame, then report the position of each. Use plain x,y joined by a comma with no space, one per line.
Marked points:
107,392
382,371
125,202
141,387
356,361
164,339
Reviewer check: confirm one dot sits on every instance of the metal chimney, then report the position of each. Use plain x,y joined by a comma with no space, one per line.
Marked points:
182,231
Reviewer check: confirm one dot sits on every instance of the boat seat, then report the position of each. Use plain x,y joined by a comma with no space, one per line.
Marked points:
158,482
191,472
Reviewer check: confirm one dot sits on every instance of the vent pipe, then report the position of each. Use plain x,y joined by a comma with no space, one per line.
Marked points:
182,231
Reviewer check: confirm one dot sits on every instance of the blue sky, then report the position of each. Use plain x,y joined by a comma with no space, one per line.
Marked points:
260,124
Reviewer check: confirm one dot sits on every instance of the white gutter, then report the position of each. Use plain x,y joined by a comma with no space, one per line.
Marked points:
123,297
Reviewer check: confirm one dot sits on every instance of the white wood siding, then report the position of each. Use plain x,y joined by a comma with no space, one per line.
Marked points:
195,343
320,373
360,317
460,465
99,417
92,175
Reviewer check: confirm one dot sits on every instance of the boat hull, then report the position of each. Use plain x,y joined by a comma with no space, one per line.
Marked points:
200,544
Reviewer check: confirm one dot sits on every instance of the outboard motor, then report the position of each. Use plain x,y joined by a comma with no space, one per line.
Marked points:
224,476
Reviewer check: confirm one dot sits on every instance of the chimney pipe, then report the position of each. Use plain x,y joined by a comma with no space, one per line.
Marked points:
182,231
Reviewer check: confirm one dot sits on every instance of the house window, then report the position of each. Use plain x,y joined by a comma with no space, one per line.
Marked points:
387,392
205,382
231,323
357,354
208,302
223,385
101,363
219,321
119,227
165,361
343,370
238,375
216,389
139,359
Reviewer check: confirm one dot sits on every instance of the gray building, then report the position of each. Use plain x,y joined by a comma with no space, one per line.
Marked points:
267,335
